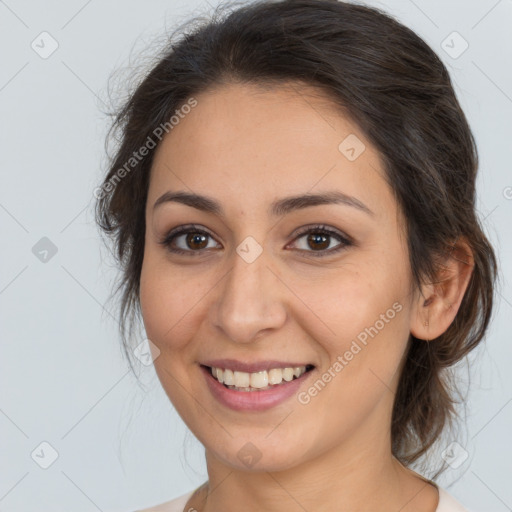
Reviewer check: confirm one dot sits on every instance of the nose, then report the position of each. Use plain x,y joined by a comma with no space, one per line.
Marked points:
249,301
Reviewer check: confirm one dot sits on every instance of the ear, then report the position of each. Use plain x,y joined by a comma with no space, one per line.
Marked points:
436,307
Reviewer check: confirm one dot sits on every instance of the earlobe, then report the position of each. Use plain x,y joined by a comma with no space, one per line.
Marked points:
439,302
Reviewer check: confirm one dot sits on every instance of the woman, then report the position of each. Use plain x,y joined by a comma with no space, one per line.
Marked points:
292,205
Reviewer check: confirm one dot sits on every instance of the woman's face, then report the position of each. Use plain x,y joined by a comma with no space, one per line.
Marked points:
266,288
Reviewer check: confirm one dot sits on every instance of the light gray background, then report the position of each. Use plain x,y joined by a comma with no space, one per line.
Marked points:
63,380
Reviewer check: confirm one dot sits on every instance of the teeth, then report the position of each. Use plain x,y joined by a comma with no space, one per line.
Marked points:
275,376
229,378
259,380
244,381
288,374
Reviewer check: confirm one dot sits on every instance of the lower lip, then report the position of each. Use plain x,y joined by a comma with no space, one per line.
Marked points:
252,400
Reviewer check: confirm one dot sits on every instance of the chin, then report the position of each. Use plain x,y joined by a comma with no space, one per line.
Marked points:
254,453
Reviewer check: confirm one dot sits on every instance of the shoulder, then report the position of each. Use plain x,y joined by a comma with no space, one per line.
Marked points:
174,505
447,503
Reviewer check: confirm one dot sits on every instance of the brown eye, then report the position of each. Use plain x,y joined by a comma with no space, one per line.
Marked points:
318,240
195,240
187,240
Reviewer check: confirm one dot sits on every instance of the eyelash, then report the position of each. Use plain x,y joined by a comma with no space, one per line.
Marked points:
318,229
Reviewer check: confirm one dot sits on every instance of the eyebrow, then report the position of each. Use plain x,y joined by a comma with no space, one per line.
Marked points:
277,208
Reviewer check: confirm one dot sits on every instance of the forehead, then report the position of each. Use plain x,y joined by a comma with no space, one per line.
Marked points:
248,145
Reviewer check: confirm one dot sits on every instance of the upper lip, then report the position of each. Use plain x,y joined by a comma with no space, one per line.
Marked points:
252,367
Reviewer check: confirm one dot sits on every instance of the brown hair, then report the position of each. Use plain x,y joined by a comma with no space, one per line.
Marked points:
398,92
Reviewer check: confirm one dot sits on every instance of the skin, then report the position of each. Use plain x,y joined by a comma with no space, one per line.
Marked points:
246,146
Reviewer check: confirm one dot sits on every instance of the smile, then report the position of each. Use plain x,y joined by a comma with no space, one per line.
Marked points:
244,381
256,389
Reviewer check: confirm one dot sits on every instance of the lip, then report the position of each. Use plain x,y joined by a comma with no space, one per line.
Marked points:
255,366
252,400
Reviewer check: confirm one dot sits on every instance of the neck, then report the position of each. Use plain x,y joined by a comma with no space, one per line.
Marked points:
335,480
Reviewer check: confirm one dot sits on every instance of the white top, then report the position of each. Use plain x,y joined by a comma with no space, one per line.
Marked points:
447,503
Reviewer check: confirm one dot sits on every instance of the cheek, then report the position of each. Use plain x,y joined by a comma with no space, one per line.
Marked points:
171,301
159,306
343,305
361,321
359,379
